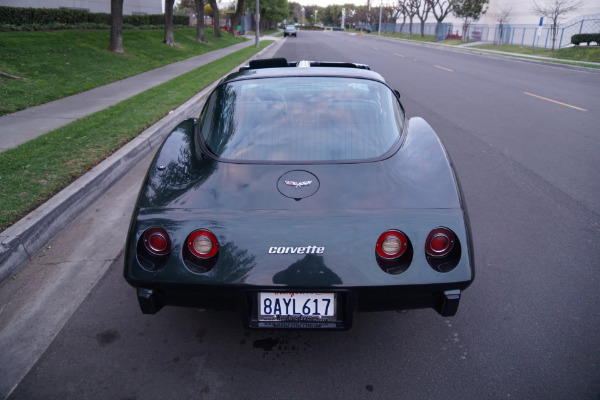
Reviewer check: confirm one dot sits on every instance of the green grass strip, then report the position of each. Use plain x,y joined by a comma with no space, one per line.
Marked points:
415,36
56,64
35,171
575,53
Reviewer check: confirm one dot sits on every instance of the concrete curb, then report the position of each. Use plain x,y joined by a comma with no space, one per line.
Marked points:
23,240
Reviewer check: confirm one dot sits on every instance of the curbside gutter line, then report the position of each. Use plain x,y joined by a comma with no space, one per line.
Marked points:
23,240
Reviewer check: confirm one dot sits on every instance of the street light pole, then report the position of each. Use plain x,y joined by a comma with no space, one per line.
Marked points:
257,22
380,9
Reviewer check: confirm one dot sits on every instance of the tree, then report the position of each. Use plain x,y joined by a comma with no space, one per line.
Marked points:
169,38
199,6
402,10
296,12
394,13
423,13
411,7
469,11
237,16
196,7
445,8
309,11
215,8
389,13
351,20
187,6
555,10
372,15
272,12
332,15
116,26
503,18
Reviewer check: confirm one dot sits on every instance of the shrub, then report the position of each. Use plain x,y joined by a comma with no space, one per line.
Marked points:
451,35
19,19
586,38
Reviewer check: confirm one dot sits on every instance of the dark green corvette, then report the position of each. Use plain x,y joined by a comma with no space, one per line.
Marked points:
301,196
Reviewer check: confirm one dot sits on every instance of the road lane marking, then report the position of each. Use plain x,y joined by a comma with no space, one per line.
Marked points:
554,101
375,48
445,69
399,55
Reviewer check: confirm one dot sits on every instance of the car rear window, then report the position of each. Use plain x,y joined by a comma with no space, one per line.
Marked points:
301,119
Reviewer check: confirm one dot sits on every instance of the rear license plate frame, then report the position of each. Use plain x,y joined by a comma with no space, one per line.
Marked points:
301,307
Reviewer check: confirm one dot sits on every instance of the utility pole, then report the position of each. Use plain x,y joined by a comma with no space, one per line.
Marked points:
380,10
257,19
369,16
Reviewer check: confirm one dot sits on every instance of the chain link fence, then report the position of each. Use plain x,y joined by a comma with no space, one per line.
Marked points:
521,35
534,36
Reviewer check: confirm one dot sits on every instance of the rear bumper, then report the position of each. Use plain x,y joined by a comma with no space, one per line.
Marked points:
442,298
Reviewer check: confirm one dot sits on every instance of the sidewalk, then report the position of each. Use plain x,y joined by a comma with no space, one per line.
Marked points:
23,240
25,125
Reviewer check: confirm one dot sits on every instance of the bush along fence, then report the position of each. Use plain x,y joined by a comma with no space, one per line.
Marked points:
19,19
587,38
522,35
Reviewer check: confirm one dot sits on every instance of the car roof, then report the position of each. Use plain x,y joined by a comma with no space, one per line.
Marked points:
280,67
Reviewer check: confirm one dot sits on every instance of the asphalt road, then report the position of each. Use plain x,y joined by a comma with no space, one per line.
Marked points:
528,328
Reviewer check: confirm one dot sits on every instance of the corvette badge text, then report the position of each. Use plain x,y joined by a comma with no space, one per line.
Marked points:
297,250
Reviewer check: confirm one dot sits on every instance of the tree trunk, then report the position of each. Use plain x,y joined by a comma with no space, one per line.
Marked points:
199,4
235,21
501,28
213,5
169,38
554,29
116,26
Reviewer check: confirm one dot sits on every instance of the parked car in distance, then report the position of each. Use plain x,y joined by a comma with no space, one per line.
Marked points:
290,30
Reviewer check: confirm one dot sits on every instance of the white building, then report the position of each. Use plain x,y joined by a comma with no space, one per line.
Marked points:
522,27
96,6
521,12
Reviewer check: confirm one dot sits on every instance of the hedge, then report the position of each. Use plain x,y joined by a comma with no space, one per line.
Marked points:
586,38
49,17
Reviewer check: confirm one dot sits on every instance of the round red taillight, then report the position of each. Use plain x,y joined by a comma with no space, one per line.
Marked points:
157,242
440,242
203,243
391,244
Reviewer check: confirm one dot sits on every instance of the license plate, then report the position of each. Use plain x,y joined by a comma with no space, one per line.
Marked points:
296,307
